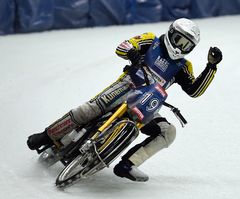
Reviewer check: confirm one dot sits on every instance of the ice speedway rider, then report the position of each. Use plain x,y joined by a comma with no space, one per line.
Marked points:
169,66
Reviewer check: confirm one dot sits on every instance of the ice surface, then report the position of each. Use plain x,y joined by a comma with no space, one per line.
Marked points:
44,75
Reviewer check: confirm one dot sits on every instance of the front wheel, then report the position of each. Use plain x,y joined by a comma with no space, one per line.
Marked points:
72,172
96,156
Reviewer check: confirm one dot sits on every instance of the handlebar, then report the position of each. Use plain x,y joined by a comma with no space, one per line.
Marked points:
177,113
132,69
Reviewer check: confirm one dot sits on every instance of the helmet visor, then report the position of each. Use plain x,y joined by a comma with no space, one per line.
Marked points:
180,41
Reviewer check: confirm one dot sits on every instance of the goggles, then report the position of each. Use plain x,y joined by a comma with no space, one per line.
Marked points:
180,41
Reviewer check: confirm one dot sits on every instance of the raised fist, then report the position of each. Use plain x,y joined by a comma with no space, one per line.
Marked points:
214,55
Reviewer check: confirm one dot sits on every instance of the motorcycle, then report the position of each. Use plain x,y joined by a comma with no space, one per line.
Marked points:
94,146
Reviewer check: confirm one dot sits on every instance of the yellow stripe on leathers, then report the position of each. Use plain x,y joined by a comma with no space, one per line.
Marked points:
119,79
208,79
145,37
207,83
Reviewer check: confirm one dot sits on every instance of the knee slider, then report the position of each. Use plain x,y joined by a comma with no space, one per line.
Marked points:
153,144
170,134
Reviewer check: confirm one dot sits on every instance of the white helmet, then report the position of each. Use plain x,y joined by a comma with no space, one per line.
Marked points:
183,35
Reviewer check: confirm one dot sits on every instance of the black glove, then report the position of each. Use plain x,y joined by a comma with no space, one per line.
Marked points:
134,56
214,56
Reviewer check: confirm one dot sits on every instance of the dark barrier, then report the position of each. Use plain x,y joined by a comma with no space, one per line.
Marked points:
34,15
39,15
71,14
107,12
173,9
144,11
7,15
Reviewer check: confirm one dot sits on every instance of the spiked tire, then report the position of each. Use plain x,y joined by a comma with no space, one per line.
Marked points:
72,172
98,156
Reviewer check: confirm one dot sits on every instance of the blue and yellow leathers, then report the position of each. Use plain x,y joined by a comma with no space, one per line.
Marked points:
166,70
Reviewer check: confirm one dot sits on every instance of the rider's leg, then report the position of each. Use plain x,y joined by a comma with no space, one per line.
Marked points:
64,125
102,103
161,135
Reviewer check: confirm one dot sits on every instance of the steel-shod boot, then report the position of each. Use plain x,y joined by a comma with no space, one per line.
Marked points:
126,169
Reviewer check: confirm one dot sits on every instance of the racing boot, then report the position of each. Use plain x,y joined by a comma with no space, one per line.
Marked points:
37,140
126,169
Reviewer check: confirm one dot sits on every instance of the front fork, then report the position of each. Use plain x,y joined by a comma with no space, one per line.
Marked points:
91,147
117,114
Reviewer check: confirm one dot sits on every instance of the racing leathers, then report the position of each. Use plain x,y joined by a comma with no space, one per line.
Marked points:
165,70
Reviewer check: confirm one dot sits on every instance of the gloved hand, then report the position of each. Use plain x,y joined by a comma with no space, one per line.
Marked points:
134,56
214,56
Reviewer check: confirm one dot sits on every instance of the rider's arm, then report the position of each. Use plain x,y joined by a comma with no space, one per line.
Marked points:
141,43
194,87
